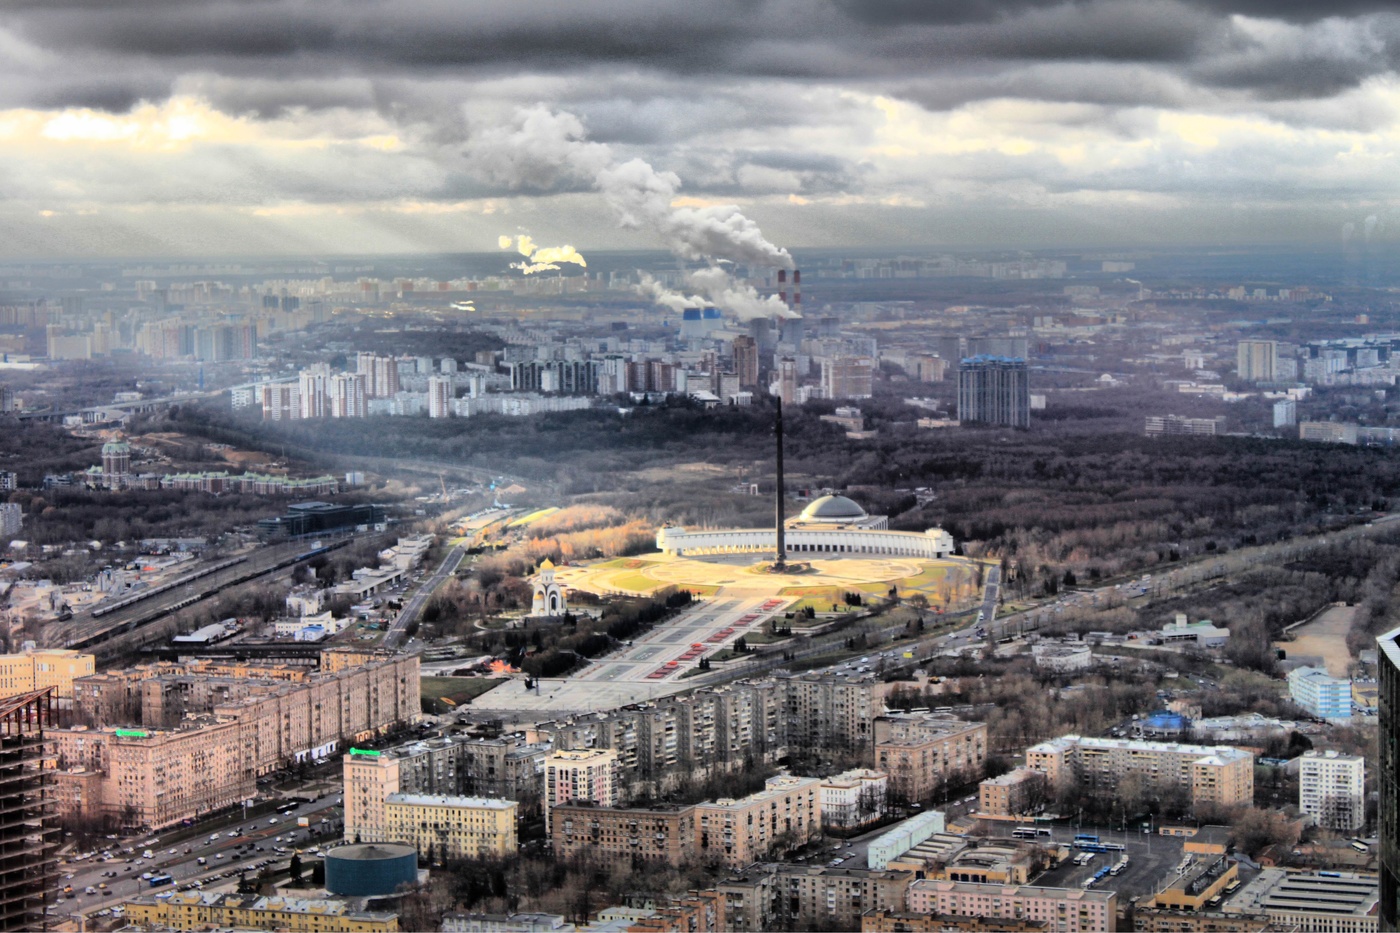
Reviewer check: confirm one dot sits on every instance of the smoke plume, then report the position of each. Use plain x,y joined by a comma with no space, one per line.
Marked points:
541,258
543,150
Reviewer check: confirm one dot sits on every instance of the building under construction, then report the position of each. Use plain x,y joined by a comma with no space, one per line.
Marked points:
27,828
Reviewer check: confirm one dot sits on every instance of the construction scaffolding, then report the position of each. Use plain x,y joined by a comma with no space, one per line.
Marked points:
28,831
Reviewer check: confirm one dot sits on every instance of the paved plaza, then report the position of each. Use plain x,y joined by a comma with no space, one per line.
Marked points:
737,598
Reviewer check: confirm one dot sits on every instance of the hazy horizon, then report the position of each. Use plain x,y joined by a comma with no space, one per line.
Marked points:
170,128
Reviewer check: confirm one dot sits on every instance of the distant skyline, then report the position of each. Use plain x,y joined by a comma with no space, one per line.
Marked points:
213,128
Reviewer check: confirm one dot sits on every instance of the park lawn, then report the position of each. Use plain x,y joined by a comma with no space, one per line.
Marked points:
929,576
818,591
457,689
625,563
701,589
632,581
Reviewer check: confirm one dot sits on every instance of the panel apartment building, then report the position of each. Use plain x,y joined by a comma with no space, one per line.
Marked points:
737,832
800,897
1332,789
1213,775
724,728
922,752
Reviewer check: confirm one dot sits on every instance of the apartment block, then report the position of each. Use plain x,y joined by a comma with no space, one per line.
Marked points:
661,835
697,912
509,768
994,390
1319,693
799,897
51,667
1328,432
194,910
847,377
1257,360
157,777
571,776
1332,789
11,514
444,827
824,710
657,743
1012,794
370,777
786,813
1214,775
286,718
922,752
151,779
853,799
890,921
1176,424
1069,910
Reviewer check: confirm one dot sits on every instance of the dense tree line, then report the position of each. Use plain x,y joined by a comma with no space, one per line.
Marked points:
1093,503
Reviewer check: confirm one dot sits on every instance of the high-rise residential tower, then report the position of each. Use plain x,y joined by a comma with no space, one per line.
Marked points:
995,390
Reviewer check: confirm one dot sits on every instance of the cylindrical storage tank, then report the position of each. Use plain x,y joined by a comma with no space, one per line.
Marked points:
370,869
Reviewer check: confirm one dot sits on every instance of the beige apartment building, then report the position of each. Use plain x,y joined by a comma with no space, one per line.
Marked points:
193,910
661,835
586,774
1012,794
152,779
786,813
1068,910
35,670
370,777
922,752
442,827
157,777
1213,775
799,897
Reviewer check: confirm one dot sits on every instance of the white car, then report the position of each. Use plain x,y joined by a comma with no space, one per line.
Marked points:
272,821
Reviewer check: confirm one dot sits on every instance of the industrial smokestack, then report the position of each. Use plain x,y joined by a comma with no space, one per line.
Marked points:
797,290
782,286
781,562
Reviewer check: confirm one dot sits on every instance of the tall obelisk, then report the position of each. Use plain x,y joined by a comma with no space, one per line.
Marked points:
778,496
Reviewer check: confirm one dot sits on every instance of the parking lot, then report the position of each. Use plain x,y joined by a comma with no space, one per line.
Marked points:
1151,857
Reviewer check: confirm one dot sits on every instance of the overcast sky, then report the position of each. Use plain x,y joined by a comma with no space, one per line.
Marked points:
245,127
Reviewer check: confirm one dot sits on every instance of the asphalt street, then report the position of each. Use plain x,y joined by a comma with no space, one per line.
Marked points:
394,637
226,856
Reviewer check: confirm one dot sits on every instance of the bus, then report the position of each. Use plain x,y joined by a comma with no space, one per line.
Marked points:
1028,832
158,880
1085,837
1360,846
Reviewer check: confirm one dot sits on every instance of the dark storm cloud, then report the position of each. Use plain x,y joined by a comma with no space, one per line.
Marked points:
886,43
